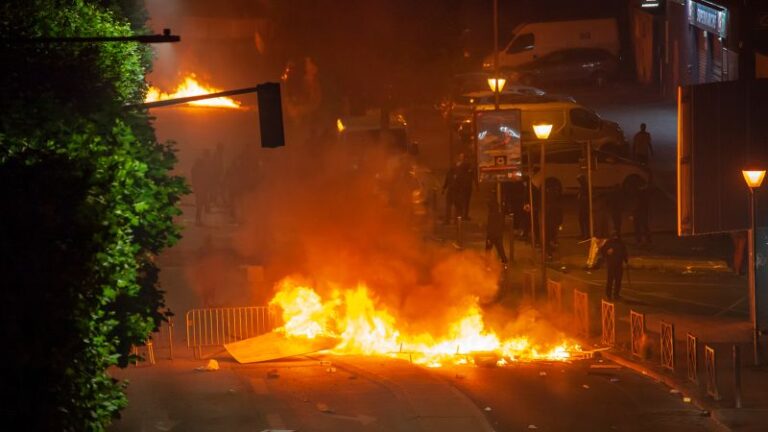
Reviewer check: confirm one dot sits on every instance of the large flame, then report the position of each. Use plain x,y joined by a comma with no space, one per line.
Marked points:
191,87
353,317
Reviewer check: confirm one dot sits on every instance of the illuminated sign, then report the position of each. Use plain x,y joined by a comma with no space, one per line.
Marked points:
708,17
498,145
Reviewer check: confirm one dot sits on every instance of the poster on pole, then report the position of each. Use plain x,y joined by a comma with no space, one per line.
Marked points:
498,145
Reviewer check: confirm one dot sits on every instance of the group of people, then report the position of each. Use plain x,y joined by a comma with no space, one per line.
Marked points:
457,188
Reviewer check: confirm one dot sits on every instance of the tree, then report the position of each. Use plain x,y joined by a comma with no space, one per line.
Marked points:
89,202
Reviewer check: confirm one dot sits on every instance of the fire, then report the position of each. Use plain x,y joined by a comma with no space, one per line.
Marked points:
191,87
361,327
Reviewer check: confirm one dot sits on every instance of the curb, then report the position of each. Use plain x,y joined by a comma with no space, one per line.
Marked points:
670,382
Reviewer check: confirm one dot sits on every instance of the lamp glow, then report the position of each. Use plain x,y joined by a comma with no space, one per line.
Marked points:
492,82
340,125
754,178
542,131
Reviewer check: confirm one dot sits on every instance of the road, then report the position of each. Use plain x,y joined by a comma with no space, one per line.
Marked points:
589,395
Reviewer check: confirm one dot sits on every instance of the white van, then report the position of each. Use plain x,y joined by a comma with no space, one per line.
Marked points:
533,40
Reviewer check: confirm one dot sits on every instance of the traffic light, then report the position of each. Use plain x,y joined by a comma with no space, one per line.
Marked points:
270,115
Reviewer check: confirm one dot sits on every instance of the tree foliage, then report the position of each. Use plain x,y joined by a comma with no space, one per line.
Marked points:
89,202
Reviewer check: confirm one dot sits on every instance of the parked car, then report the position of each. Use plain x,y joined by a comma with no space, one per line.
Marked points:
580,64
608,170
531,41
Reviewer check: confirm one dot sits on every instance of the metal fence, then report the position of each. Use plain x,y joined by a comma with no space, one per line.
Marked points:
637,332
555,294
608,318
219,326
710,364
581,312
691,345
668,346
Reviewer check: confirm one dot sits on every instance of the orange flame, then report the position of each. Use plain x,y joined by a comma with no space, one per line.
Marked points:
191,87
353,317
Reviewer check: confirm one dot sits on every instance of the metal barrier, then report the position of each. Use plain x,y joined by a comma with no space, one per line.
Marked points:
608,316
219,326
636,332
581,312
691,346
668,346
555,294
710,366
529,284
155,340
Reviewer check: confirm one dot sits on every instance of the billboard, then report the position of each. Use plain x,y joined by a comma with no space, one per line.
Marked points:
497,134
722,129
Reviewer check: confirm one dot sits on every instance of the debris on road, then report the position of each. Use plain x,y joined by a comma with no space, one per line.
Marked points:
488,408
273,346
532,426
324,408
615,379
272,374
212,365
542,373
686,399
674,391
585,386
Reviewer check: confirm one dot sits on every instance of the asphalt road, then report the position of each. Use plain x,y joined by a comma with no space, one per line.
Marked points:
588,395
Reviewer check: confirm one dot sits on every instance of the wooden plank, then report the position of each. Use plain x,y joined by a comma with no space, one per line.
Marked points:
273,346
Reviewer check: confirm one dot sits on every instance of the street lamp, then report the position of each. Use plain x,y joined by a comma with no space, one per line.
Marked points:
754,179
542,131
493,82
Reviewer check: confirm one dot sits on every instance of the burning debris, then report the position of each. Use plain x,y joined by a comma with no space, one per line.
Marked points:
191,87
350,321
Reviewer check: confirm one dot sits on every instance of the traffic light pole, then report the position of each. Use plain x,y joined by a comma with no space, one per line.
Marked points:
179,101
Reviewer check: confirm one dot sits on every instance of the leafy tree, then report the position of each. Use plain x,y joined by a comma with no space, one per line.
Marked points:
88,203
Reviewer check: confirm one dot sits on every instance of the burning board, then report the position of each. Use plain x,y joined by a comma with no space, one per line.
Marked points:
273,346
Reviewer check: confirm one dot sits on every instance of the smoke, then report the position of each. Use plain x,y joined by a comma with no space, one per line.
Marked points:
340,214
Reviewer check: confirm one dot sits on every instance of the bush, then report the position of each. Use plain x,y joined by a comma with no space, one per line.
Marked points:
89,203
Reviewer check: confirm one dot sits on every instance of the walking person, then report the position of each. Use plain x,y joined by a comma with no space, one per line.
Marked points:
465,182
494,231
642,150
640,216
614,252
583,201
451,190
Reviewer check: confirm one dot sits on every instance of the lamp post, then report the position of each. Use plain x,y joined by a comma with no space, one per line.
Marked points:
542,131
754,179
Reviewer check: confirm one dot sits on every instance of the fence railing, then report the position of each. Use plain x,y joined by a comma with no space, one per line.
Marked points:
581,312
219,326
637,332
555,295
710,365
691,348
668,346
608,319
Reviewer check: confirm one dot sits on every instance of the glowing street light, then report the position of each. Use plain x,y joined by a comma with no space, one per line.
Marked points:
494,82
754,179
542,131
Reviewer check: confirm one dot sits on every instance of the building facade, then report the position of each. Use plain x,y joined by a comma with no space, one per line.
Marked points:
699,41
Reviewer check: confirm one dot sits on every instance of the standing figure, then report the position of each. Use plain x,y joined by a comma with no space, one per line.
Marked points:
554,217
450,190
583,199
615,255
641,146
494,231
640,216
